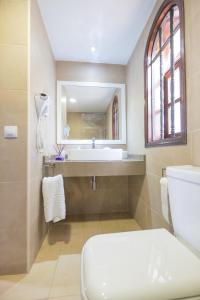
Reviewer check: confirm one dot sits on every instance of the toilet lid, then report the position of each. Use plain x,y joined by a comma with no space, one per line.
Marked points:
145,265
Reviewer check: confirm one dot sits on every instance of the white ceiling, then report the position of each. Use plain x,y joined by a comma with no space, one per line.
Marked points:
89,99
111,26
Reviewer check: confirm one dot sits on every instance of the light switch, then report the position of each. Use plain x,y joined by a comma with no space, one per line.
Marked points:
10,132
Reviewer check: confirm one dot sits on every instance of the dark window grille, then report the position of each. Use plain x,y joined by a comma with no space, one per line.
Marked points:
164,67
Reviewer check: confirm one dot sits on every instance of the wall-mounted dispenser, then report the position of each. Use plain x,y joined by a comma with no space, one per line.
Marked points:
42,110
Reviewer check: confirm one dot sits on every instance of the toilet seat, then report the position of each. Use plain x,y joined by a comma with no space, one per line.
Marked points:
140,265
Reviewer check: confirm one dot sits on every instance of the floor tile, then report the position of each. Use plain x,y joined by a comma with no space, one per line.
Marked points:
56,272
35,285
129,225
110,226
67,276
8,282
49,252
91,228
74,246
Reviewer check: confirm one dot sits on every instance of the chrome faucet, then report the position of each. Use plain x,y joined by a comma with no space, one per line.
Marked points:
93,143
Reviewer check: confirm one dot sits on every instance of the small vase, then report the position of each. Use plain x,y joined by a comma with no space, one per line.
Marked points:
59,157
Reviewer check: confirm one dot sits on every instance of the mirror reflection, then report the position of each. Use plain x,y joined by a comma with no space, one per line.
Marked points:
89,112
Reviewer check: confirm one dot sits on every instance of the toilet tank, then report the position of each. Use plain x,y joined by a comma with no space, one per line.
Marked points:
184,198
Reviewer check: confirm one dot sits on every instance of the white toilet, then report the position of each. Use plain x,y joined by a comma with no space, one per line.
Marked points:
150,264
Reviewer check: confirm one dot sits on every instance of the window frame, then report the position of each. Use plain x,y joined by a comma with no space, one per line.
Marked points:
115,118
180,138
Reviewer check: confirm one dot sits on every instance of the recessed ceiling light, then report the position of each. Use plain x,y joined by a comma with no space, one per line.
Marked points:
72,100
93,49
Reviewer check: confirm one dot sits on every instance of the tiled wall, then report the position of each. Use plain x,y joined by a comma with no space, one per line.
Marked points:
78,71
112,192
92,72
144,193
13,111
192,22
41,79
26,67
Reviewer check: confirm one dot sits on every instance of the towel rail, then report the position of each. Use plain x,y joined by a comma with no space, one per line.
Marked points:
47,166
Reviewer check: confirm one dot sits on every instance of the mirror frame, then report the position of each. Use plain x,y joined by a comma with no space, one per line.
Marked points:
122,87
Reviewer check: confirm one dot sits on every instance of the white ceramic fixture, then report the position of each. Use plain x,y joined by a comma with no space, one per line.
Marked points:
94,154
184,196
150,264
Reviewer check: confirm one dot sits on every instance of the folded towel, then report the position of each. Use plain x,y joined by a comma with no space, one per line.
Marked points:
54,198
165,198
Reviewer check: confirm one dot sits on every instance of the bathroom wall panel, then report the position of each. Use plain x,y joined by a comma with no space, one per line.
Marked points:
144,196
82,200
13,14
13,61
13,110
42,78
82,71
13,159
192,22
13,250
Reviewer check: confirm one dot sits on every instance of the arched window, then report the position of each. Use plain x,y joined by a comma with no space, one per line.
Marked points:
164,67
115,119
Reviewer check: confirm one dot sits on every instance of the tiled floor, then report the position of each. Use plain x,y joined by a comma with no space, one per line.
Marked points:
55,274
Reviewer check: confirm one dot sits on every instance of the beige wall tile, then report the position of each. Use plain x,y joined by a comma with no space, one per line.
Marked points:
13,61
14,107
192,21
156,220
196,148
144,196
35,191
78,71
13,161
13,250
13,111
141,214
36,222
151,192
13,22
193,101
42,79
158,158
13,205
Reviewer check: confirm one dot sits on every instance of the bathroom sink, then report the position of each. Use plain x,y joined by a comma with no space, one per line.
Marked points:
94,154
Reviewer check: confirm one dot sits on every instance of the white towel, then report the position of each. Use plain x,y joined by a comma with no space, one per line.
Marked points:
165,198
54,198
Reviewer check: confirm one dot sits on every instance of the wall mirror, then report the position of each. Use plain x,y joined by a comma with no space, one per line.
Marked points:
87,110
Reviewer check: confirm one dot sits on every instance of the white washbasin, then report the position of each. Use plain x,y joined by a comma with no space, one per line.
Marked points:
94,154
